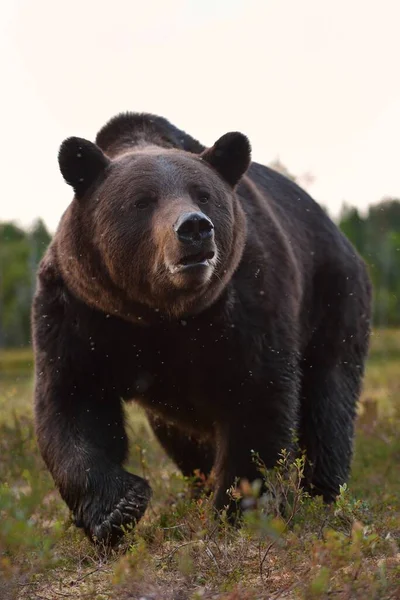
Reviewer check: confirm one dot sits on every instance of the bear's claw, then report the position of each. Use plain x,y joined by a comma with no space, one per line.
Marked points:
108,527
128,511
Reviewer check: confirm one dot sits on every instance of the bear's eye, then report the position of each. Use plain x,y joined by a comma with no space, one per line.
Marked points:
204,197
143,203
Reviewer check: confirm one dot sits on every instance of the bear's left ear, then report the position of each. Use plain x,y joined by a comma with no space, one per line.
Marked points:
81,163
230,156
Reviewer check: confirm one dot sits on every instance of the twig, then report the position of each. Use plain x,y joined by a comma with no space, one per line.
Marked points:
264,558
171,554
210,554
172,527
321,529
288,587
82,577
287,523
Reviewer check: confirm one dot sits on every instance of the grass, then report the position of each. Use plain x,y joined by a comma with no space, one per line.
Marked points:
351,550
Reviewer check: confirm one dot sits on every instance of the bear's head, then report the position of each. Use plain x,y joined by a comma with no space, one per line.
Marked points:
153,229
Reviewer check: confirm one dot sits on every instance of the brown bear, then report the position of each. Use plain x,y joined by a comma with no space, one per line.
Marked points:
214,292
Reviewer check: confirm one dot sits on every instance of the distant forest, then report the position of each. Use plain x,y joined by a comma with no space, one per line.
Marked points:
376,236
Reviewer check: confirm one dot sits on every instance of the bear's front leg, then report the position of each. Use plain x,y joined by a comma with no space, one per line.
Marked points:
82,439
81,433
262,419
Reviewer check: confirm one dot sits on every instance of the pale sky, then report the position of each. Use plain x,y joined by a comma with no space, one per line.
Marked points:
316,83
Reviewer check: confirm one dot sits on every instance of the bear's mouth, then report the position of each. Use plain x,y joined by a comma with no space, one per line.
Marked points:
198,259
192,261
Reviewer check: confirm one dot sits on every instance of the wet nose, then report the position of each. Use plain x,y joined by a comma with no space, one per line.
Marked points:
193,227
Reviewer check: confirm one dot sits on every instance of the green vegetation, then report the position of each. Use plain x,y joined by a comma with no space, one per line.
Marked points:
348,551
20,253
377,238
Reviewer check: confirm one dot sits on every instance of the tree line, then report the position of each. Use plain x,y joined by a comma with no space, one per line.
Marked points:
376,236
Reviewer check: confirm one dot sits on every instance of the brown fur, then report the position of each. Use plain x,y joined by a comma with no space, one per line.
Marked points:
265,334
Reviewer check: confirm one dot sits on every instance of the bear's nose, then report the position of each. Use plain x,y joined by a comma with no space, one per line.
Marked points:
193,227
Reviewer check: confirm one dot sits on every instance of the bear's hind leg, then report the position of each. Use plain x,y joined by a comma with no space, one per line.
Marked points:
188,453
330,392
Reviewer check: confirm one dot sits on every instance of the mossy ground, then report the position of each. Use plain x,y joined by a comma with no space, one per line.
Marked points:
350,550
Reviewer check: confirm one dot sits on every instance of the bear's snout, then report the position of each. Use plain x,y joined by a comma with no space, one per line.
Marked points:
196,250
193,228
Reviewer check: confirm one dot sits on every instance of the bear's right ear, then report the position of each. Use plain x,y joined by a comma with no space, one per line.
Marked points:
230,156
81,163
